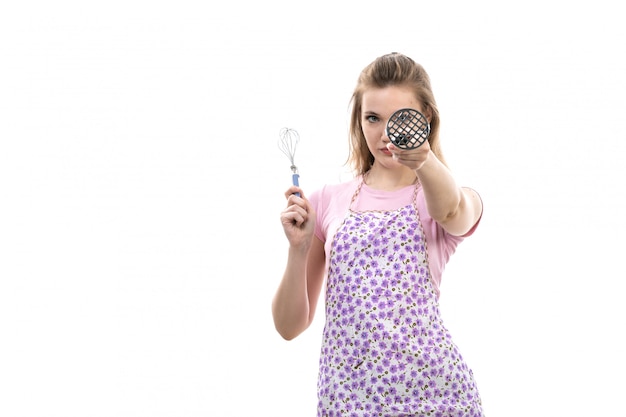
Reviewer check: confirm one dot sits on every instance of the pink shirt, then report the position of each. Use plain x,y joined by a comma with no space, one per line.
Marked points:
331,204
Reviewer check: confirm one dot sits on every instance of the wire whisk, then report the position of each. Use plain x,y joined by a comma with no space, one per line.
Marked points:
287,143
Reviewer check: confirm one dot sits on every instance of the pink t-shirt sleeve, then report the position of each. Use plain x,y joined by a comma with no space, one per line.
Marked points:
331,204
319,205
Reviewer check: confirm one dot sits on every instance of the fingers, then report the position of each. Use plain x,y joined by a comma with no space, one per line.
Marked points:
294,215
297,207
412,158
298,218
293,190
423,148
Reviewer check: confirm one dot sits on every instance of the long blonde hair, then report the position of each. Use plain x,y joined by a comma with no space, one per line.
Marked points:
394,69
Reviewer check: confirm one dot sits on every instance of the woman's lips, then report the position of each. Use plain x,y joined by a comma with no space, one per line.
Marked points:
385,151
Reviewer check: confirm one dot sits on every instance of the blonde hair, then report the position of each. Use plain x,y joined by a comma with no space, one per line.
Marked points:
392,69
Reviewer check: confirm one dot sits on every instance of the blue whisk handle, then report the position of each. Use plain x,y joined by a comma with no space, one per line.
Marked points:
294,179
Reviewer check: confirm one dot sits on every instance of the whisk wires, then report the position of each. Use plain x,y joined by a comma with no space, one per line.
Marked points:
287,143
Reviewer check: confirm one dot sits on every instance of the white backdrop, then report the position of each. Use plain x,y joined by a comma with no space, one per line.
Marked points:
141,184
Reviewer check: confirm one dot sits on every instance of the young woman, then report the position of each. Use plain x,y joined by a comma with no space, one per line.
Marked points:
380,242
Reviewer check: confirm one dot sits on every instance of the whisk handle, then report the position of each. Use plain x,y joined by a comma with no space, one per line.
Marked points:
294,179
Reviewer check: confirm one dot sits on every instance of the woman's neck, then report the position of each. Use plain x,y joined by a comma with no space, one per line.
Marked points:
389,180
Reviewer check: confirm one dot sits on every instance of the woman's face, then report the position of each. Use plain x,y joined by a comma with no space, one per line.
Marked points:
378,104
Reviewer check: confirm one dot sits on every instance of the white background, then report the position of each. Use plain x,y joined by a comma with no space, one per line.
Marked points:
141,184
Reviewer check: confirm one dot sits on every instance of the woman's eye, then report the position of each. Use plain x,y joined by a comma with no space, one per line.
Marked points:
371,119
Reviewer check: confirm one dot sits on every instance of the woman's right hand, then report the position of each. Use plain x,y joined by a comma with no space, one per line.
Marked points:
298,219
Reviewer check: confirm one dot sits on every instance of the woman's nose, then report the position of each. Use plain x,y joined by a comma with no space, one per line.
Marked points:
385,136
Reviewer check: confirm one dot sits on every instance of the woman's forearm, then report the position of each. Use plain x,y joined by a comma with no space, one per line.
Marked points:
455,208
443,196
290,307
